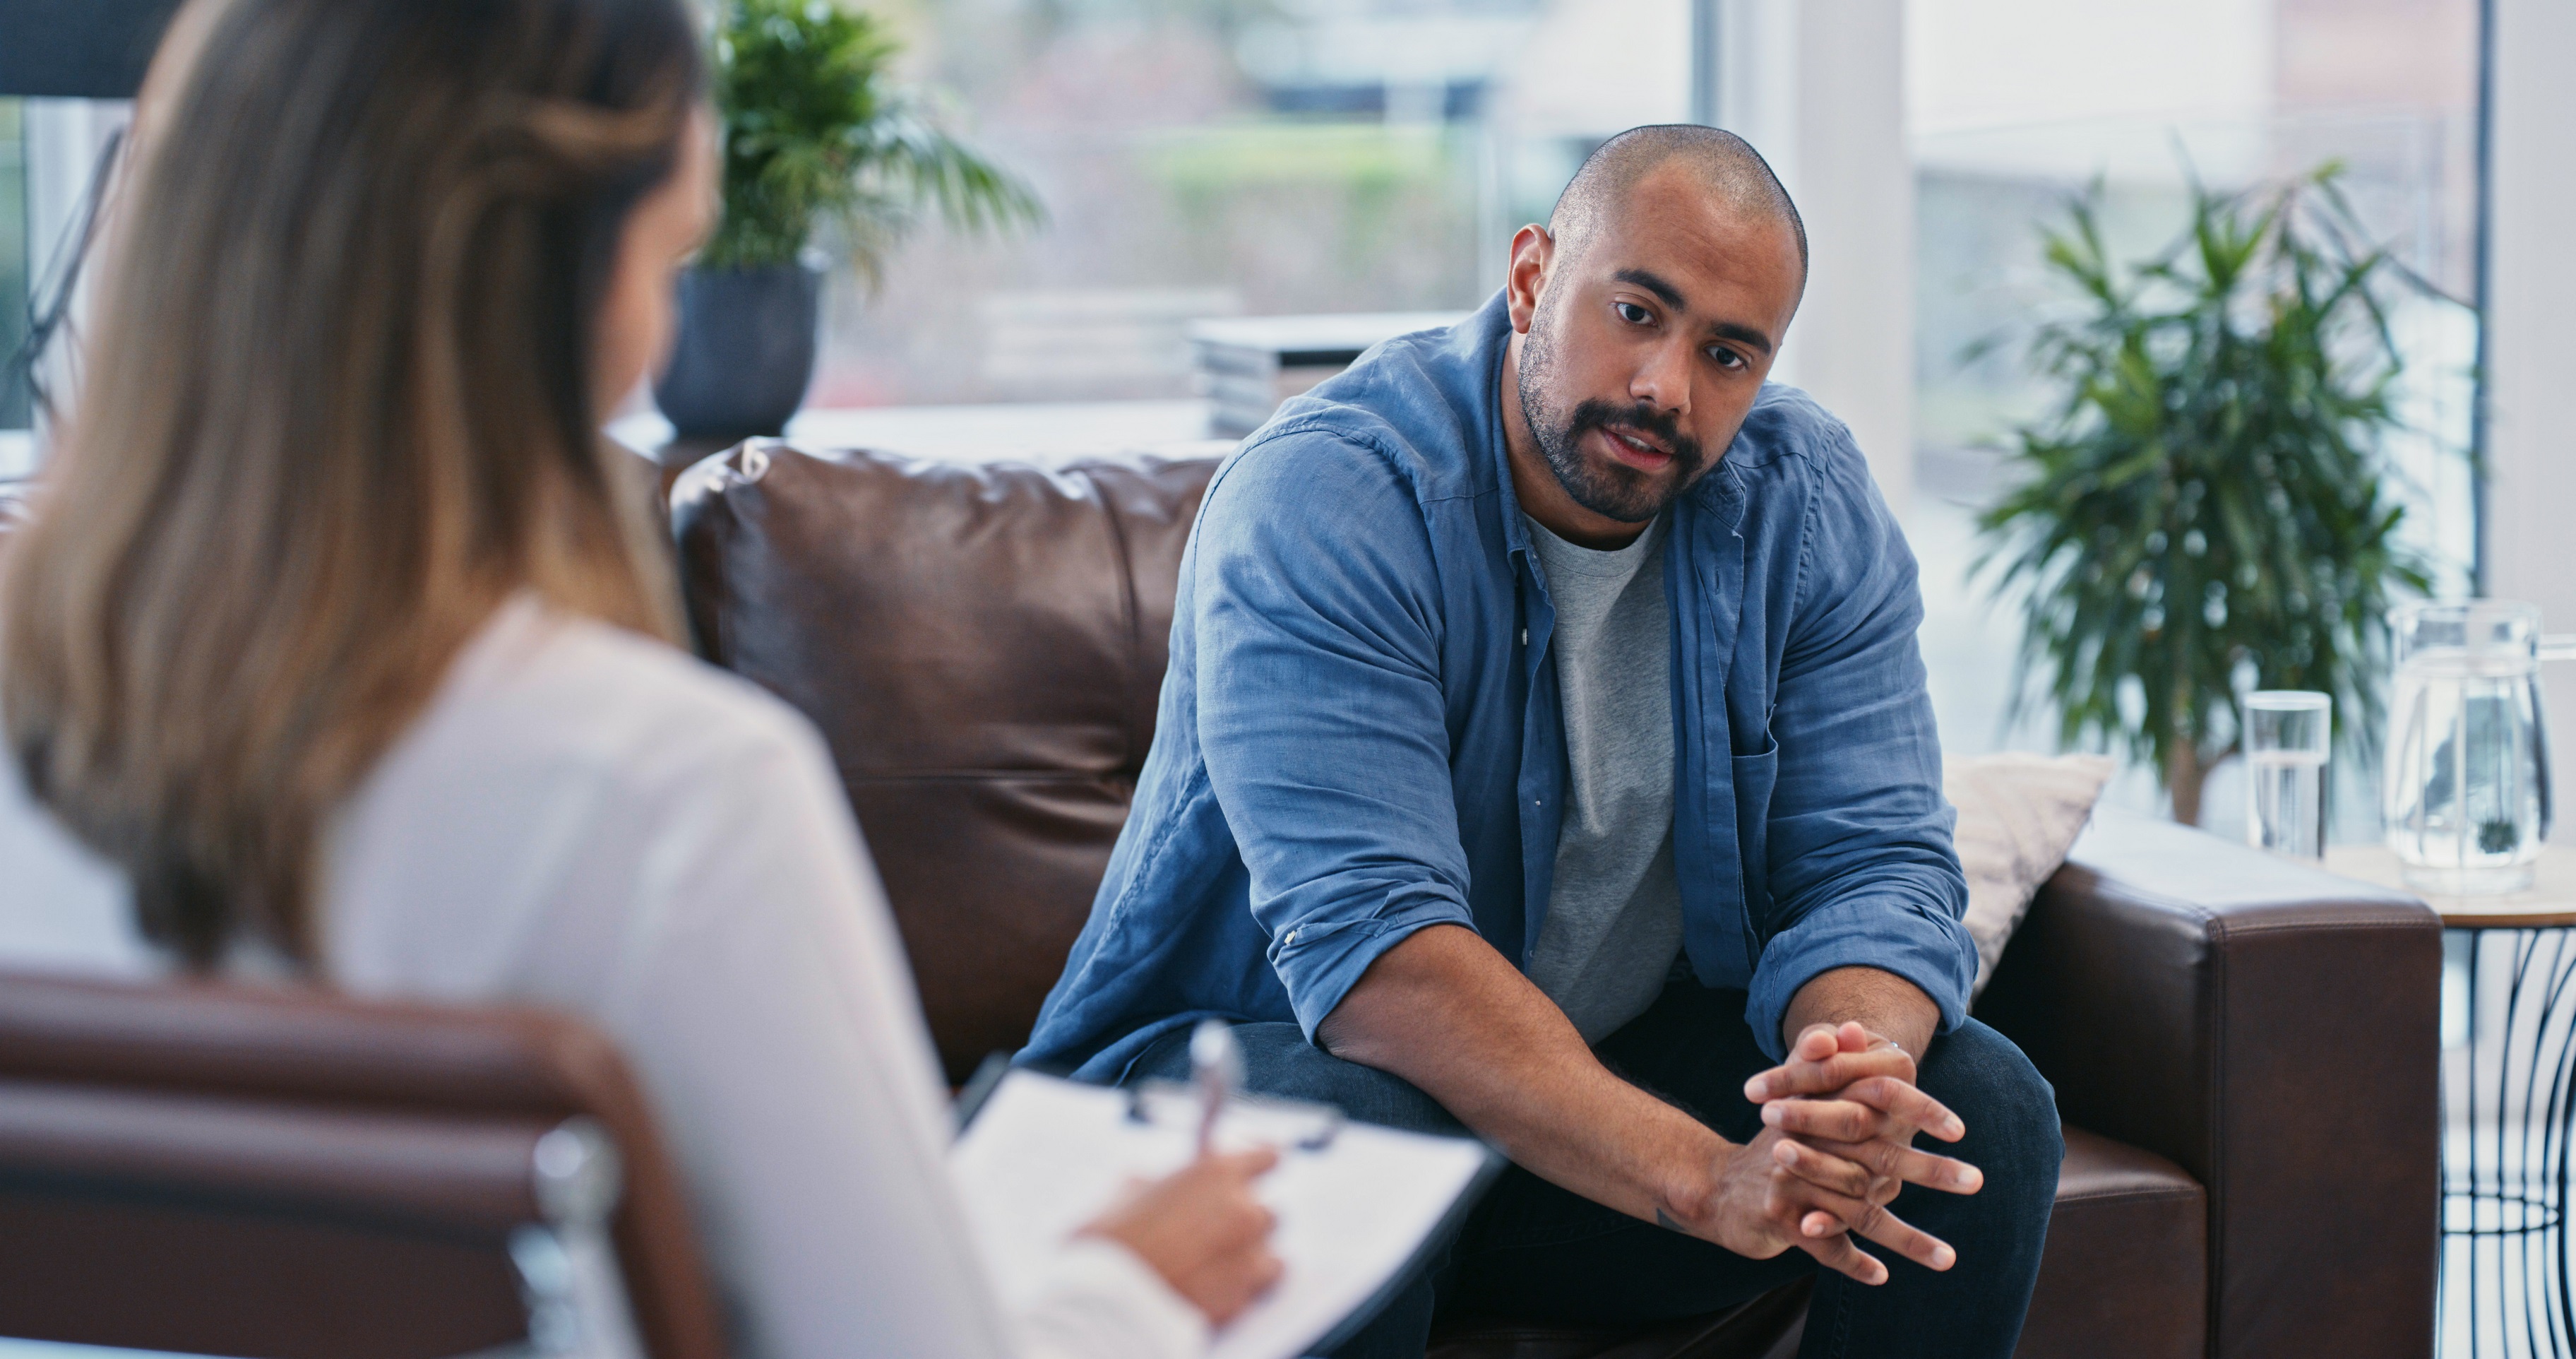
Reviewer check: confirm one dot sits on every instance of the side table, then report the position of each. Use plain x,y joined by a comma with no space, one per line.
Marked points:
2509,1089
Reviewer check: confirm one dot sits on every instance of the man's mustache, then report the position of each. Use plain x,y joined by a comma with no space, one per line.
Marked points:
1604,416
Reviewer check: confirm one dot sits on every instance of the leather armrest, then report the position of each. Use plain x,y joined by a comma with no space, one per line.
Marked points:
2275,1030
461,1175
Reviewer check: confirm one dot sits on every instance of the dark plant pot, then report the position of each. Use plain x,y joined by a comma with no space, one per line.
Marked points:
745,351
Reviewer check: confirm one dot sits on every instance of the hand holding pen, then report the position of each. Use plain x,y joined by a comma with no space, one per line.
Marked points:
1202,1229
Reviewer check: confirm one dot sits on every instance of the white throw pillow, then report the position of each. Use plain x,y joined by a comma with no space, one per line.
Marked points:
2018,815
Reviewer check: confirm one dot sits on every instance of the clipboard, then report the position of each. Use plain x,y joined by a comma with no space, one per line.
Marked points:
1361,1208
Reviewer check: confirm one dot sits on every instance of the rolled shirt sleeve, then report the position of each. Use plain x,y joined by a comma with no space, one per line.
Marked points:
1320,712
1857,853
1346,749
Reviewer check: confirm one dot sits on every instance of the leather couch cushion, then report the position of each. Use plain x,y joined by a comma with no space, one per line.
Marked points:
983,646
2126,1272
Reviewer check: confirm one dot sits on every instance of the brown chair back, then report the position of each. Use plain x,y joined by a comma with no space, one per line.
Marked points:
983,647
284,1174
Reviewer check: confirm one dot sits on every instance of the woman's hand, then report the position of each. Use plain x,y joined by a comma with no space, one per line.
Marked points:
1203,1231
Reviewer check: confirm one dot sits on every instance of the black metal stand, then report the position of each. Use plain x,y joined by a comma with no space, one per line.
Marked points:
2507,1160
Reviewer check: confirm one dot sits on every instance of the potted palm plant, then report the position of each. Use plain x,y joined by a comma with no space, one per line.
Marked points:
819,143
2208,503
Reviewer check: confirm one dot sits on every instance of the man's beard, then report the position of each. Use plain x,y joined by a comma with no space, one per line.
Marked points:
1608,488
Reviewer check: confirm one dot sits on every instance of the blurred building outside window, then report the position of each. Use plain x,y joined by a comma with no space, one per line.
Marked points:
1211,158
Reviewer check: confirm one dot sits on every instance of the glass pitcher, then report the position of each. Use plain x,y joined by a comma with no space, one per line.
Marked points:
2466,795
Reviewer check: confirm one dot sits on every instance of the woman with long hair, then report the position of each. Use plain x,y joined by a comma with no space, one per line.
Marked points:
339,647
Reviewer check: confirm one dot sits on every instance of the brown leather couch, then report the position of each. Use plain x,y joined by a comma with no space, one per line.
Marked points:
2244,1050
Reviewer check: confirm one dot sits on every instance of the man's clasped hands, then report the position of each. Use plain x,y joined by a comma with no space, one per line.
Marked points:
1839,1119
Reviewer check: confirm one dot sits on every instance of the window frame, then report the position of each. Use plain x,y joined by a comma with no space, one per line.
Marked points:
63,140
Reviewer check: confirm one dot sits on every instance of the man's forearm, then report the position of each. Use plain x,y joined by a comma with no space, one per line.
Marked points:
1446,1012
1882,1002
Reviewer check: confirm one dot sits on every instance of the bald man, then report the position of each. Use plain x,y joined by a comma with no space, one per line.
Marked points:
1545,750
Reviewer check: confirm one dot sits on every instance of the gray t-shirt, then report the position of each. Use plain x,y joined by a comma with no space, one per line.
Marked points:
1614,913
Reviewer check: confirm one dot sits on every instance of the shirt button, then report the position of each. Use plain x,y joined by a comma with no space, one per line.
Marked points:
1525,637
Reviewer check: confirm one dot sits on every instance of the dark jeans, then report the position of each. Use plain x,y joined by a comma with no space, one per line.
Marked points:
1533,1252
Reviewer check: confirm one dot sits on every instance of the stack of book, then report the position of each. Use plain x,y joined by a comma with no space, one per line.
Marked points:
1248,365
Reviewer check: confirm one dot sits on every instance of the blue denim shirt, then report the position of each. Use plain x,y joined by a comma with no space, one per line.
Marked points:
1360,735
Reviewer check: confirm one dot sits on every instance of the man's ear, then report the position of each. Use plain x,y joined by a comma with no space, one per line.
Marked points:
1532,250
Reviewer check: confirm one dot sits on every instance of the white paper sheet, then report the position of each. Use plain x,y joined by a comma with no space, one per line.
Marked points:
1045,1156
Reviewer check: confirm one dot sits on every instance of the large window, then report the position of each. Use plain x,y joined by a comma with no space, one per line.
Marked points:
50,154
1213,157
2016,105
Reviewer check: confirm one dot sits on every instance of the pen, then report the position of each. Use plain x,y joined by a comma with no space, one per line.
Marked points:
1216,1068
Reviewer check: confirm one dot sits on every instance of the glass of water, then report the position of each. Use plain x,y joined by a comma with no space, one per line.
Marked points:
2287,735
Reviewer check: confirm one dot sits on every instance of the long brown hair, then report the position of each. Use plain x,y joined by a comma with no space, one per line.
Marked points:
335,408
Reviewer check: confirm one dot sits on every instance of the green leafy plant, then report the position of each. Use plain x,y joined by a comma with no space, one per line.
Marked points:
817,134
2209,501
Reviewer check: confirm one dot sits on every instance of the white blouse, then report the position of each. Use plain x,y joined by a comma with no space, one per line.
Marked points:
589,820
